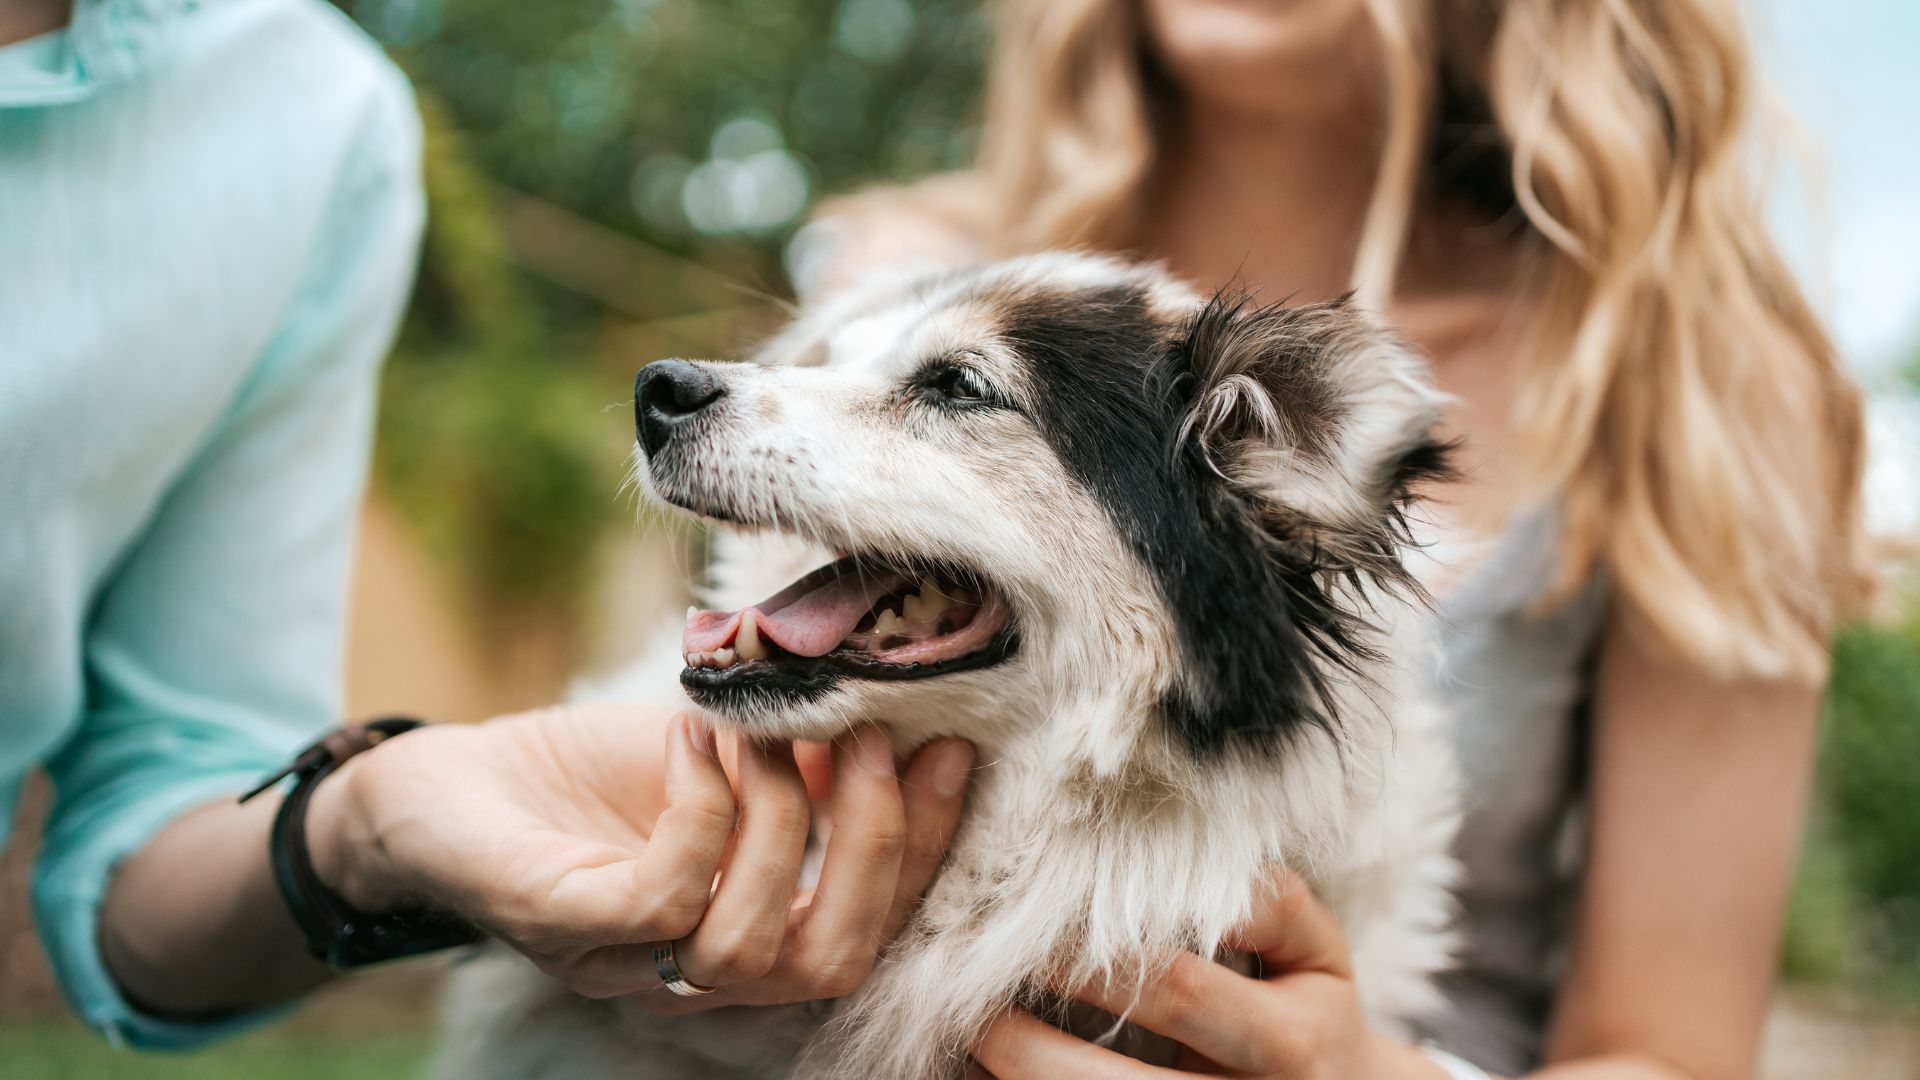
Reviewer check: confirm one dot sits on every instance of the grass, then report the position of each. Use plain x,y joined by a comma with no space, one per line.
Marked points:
50,1048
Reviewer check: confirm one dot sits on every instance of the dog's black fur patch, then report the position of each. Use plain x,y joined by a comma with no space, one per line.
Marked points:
1259,615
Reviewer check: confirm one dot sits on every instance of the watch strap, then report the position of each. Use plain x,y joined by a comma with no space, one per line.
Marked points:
336,932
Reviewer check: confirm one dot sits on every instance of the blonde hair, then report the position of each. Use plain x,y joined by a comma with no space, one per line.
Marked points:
1677,373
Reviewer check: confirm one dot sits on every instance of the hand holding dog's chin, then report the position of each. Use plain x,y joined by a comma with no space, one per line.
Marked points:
583,835
577,835
1301,1020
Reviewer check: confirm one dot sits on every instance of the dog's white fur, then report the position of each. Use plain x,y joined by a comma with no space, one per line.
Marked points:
1095,845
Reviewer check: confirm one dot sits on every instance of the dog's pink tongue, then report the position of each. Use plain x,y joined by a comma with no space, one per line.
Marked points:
804,619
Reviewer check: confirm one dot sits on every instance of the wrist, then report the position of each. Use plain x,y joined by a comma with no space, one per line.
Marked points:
355,920
343,843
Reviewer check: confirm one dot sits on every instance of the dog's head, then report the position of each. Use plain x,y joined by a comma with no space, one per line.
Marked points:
1053,481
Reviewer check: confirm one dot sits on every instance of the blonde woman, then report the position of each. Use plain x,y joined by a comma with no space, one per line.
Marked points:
1656,527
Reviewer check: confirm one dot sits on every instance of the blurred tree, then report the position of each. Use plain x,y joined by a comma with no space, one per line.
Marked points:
487,441
611,180
695,123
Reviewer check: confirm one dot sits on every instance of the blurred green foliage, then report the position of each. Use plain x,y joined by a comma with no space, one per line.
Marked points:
611,107
485,439
608,180
1855,919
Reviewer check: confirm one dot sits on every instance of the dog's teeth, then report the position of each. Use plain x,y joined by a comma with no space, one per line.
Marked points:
926,605
691,612
691,657
723,657
747,644
888,623
925,609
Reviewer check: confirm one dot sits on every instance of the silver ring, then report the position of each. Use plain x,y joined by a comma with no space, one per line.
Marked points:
670,975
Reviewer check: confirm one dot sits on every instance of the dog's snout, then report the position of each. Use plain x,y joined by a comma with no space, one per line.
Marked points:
669,393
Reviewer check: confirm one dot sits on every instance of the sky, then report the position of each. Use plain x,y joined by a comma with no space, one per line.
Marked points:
1849,70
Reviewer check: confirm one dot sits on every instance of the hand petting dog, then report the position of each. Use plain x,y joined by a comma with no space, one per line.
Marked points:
1299,1020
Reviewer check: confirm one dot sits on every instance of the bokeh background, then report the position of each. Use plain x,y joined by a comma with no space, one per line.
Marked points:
613,181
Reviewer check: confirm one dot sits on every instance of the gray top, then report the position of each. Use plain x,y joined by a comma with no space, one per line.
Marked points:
1517,681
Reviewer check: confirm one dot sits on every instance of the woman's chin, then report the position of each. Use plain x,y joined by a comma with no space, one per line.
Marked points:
1282,58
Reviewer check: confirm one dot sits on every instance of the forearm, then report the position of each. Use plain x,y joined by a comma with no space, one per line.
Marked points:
1613,1066
1608,1067
194,926
1620,1066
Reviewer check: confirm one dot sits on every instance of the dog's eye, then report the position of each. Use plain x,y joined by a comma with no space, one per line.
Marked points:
961,384
958,384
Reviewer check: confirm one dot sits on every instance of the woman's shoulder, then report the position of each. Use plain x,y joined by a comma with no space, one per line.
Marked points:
942,220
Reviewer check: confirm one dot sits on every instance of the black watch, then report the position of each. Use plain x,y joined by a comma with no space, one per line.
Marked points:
337,933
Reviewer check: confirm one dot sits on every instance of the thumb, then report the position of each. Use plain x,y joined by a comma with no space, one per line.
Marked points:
1290,930
933,792
660,893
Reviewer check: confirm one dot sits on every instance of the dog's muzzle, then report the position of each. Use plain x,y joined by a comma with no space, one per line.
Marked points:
668,395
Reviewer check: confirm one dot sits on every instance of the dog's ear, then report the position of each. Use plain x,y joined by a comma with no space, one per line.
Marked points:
1316,419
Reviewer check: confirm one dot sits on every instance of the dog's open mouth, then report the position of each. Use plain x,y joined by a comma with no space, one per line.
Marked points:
860,616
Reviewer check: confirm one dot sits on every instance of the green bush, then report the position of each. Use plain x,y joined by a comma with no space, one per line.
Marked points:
1856,912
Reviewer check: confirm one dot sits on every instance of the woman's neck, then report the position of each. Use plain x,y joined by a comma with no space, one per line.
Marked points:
1276,202
23,19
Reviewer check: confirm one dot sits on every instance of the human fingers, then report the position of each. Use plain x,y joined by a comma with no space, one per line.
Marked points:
1291,931
933,790
1018,1046
842,931
739,938
1198,1004
816,765
593,925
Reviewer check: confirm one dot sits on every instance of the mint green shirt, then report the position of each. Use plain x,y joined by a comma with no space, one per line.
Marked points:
209,214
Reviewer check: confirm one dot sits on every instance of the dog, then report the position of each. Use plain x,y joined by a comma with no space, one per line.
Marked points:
1146,549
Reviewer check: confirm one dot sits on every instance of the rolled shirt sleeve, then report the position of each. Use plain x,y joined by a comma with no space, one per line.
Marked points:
215,647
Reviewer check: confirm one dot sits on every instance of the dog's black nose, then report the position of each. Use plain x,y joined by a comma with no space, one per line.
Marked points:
669,393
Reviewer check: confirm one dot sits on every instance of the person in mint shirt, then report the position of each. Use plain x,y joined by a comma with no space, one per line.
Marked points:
208,222
209,216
